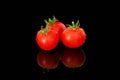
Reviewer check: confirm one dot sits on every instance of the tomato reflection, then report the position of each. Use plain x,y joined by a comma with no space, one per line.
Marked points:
73,58
47,59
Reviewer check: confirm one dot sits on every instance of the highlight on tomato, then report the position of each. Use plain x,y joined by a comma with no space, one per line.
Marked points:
73,58
74,36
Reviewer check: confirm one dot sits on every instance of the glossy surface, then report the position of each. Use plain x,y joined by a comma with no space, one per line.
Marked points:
47,59
25,51
73,38
57,26
47,41
72,63
73,58
23,20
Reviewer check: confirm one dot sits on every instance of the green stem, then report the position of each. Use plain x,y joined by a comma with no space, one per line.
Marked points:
74,25
48,22
54,19
46,25
51,21
46,30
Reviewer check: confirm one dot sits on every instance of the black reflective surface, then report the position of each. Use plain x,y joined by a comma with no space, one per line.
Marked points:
71,58
23,58
71,70
86,71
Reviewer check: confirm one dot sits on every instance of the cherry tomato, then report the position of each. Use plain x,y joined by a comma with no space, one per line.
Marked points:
73,36
55,25
73,58
47,39
47,59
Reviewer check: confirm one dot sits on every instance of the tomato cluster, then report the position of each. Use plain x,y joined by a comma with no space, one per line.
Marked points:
72,36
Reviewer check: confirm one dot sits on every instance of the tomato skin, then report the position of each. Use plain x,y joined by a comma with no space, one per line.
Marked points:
73,38
47,60
47,41
73,58
57,26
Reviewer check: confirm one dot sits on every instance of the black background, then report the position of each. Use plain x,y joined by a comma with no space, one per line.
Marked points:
25,21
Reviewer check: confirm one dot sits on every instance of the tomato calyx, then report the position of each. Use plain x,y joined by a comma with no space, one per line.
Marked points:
51,21
45,30
74,25
48,22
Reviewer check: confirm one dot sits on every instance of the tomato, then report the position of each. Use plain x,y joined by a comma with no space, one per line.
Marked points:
73,36
73,58
47,39
47,60
55,25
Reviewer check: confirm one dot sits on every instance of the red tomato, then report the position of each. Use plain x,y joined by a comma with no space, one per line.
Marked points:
47,39
73,36
47,60
73,58
55,25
